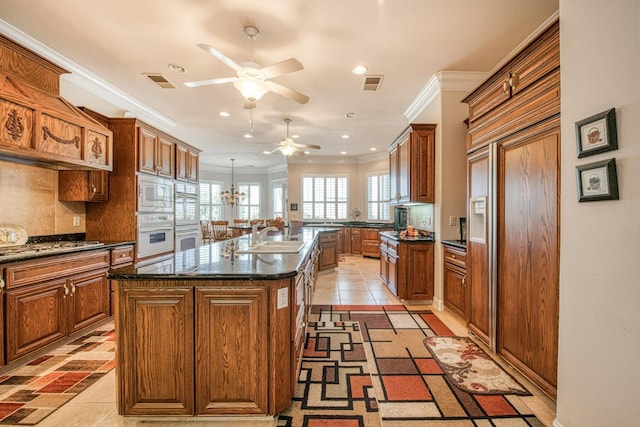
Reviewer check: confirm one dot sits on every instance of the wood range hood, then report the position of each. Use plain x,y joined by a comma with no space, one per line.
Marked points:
38,125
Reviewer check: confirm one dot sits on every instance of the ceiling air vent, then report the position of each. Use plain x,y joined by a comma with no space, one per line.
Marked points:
372,83
160,80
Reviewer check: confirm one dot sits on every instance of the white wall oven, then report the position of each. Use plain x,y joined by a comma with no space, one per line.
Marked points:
187,237
155,194
155,234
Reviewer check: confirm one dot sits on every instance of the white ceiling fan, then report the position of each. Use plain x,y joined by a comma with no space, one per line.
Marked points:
288,146
253,80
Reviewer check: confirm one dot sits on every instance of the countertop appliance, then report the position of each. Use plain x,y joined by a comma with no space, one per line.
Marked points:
400,215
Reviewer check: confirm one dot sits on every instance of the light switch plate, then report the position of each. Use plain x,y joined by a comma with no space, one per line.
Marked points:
283,298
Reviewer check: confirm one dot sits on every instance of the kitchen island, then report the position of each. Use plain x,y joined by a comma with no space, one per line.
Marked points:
213,331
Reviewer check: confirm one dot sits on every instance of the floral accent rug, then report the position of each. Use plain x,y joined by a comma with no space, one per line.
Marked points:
31,392
470,368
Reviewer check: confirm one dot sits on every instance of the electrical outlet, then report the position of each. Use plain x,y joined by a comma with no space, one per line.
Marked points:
283,298
429,221
76,221
452,221
424,221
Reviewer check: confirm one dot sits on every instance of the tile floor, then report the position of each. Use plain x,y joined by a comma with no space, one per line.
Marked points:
356,281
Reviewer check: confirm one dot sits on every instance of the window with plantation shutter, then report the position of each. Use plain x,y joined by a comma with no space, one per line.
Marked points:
249,208
210,202
378,195
325,197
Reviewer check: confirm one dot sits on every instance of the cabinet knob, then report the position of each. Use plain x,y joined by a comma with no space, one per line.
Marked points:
514,80
453,256
1,283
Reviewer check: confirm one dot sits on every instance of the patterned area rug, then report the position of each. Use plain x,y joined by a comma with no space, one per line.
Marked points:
32,392
334,387
409,385
470,368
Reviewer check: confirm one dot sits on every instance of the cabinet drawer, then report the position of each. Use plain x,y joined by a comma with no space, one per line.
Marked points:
370,248
121,255
39,270
455,256
357,231
329,237
370,234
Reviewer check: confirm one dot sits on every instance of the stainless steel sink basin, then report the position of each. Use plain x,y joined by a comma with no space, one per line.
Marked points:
275,247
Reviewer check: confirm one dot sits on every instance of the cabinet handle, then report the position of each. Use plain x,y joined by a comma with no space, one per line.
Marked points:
453,257
514,80
94,190
464,280
505,87
66,290
1,283
73,288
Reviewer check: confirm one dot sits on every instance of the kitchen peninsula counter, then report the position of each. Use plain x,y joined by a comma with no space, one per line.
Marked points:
210,331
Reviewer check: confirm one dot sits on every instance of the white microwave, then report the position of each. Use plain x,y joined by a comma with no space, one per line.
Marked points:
155,194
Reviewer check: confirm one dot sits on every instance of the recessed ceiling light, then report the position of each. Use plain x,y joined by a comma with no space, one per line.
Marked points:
266,152
248,135
296,136
350,115
373,149
177,68
345,136
359,69
307,152
223,114
343,152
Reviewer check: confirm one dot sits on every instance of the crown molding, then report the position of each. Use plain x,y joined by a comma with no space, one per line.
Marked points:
88,81
428,93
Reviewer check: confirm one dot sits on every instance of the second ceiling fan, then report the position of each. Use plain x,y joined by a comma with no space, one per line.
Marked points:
252,80
288,146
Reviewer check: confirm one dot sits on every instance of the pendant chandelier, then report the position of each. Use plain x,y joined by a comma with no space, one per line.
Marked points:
232,197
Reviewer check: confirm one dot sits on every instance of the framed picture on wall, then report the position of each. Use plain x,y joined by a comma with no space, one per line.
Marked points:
597,181
293,206
597,134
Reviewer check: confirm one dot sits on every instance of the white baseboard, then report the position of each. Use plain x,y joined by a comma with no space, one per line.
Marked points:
556,423
438,304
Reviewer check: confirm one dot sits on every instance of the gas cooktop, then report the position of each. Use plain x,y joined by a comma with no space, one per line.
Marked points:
48,248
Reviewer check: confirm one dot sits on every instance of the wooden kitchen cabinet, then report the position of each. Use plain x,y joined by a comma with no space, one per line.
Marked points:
454,279
230,327
187,163
344,240
328,250
356,241
155,153
412,165
514,144
50,298
408,267
83,186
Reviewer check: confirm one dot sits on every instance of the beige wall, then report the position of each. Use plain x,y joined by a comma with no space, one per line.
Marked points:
357,173
29,198
599,360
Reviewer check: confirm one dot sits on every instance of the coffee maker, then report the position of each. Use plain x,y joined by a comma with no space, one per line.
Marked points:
401,215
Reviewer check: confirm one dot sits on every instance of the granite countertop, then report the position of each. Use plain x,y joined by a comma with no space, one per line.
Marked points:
46,254
462,244
351,224
220,261
396,236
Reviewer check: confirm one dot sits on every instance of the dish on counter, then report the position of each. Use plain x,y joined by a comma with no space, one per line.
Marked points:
12,235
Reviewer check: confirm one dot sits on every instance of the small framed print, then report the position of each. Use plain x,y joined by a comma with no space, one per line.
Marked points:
293,206
597,134
597,181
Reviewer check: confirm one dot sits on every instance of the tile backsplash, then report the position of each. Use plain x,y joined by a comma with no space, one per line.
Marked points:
29,198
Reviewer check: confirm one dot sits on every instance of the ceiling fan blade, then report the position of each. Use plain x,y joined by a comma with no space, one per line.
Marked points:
286,92
315,147
211,82
287,66
220,56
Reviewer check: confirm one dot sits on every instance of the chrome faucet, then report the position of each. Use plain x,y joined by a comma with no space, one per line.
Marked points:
256,236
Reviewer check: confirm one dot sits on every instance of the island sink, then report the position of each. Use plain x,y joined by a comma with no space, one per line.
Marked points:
274,247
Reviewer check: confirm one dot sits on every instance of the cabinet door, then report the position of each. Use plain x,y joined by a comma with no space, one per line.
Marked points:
384,265
341,243
193,163
182,160
478,250
415,283
146,151
422,171
83,186
393,177
88,300
155,342
403,172
392,282
36,316
454,288
165,157
231,356
528,273
98,186
328,255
